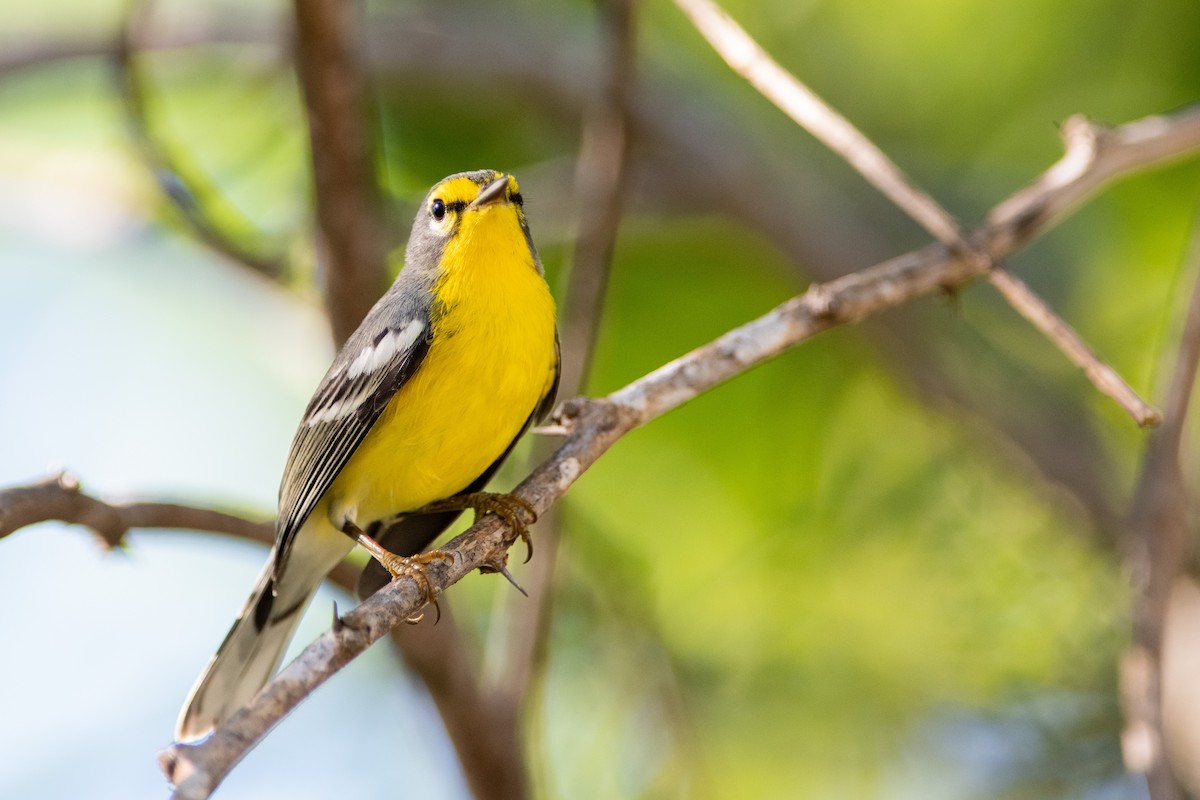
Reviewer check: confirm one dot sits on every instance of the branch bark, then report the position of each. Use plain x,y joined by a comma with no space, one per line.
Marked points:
594,425
348,241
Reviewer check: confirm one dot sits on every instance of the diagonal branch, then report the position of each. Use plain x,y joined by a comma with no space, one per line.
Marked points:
745,57
1103,377
749,60
595,425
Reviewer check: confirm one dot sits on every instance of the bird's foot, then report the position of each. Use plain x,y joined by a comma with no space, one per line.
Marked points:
516,512
413,567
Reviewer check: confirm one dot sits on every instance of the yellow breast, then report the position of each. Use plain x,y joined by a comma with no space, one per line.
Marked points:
491,360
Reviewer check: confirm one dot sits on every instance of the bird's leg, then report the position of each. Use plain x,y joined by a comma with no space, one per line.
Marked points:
407,566
508,507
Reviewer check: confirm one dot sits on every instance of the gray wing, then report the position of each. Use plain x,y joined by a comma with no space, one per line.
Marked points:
381,356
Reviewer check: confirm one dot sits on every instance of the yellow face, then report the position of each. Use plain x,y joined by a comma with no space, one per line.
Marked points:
453,205
478,222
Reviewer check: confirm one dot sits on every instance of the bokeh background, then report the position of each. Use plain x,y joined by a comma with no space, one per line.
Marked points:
881,566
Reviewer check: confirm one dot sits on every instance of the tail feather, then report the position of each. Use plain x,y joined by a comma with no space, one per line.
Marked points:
244,662
256,643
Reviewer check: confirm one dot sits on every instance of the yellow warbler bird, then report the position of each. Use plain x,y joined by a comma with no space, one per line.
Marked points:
418,410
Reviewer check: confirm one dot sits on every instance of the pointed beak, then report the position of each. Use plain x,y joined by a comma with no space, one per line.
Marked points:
495,191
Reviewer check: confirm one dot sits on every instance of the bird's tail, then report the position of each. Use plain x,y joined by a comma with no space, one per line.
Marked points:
255,644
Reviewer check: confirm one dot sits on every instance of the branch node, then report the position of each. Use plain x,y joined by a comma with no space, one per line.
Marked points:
568,413
822,301
1103,377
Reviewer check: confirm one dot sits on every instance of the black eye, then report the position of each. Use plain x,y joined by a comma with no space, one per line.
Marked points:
438,208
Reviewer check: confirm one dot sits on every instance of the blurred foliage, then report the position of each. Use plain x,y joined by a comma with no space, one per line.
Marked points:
810,582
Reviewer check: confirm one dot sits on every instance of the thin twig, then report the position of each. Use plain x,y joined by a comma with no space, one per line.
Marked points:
595,425
1093,155
749,60
1102,376
61,498
600,183
189,193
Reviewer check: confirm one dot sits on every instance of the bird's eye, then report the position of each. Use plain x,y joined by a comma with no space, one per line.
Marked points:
438,207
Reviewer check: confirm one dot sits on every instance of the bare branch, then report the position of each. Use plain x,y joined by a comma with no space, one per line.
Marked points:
749,60
594,425
26,54
61,498
1093,156
1102,376
349,243
188,192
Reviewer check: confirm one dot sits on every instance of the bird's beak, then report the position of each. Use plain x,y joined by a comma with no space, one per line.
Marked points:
493,192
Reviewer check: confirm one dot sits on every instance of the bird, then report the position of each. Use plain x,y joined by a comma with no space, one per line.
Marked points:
416,413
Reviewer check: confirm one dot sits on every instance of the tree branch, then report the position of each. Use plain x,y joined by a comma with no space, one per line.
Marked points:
189,193
745,57
749,60
348,243
1103,377
1156,551
594,425
62,498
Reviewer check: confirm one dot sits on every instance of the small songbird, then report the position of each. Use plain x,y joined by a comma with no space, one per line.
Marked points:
420,407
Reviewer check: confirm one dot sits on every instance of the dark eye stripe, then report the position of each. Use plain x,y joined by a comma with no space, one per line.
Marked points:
439,208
